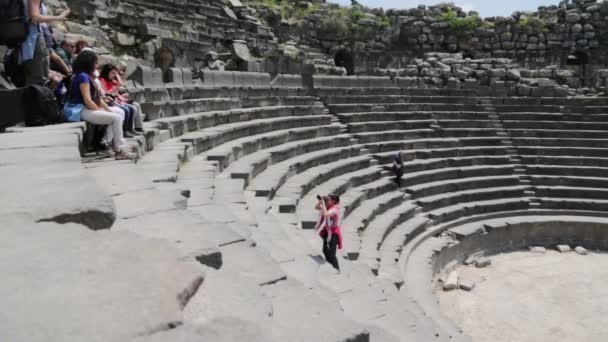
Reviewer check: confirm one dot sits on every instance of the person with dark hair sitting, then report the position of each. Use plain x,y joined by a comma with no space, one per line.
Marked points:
84,93
107,75
64,52
328,227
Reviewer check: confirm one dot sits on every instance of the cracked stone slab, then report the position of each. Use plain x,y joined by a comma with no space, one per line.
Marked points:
226,294
251,263
68,283
22,141
119,178
59,192
214,213
323,314
150,201
39,155
189,233
223,329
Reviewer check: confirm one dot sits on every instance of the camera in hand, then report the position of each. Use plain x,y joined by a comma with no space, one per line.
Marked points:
319,197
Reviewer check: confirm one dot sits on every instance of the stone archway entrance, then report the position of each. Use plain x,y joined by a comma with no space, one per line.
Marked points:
344,58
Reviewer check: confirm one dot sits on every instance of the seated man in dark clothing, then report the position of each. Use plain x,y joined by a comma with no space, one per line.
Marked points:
398,168
65,51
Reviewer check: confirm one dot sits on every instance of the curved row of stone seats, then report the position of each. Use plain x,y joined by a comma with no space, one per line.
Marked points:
159,109
395,146
235,150
463,98
555,125
373,236
323,81
330,92
441,125
270,180
562,151
162,109
348,118
211,137
431,106
517,133
401,98
252,165
180,125
301,183
454,186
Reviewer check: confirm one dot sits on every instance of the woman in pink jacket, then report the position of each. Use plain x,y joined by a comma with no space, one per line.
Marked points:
328,227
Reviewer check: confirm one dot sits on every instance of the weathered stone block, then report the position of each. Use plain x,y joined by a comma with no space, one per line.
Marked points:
536,249
483,262
451,282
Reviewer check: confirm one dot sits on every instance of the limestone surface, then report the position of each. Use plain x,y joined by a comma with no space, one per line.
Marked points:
68,283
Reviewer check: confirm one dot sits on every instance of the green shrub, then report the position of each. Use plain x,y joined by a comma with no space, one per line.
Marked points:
529,24
383,21
301,13
334,25
461,27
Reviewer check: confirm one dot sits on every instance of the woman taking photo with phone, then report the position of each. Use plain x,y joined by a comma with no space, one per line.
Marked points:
328,227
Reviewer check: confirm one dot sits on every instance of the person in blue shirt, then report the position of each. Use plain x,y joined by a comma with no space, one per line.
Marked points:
84,91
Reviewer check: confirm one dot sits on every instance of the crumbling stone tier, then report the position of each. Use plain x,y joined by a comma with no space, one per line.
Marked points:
208,235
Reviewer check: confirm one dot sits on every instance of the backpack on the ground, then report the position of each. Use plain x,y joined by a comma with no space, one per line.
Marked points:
14,25
41,107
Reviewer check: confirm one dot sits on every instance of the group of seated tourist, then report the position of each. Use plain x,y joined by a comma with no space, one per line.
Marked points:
99,98
71,70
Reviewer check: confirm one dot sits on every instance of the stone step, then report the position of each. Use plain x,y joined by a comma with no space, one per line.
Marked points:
180,125
236,149
206,139
472,195
269,181
300,184
380,227
251,165
412,115
456,211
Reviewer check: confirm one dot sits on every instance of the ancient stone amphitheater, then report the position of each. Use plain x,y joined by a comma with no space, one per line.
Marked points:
208,236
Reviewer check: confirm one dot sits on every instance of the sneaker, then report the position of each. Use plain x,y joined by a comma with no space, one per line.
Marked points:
128,134
136,133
